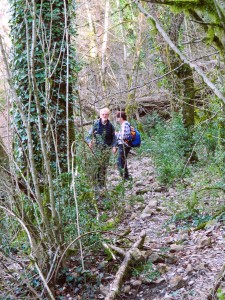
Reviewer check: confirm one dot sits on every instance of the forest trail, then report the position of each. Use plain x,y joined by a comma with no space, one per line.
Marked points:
186,262
181,263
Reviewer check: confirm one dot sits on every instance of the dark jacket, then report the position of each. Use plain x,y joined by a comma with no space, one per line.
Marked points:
103,135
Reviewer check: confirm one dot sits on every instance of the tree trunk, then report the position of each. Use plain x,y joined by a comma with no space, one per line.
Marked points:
184,86
43,74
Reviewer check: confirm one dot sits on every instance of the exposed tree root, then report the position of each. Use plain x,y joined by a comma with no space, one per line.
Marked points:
116,284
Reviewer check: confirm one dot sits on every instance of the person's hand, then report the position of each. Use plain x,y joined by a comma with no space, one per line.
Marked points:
114,149
90,144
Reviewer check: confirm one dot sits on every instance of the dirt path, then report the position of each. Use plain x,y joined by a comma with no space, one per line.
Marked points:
186,262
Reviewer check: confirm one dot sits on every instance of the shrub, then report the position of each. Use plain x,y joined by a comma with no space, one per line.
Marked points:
169,145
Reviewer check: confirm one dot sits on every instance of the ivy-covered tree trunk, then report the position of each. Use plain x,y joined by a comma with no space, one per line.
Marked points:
43,71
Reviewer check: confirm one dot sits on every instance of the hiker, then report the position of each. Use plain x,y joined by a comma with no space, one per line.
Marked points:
123,148
102,139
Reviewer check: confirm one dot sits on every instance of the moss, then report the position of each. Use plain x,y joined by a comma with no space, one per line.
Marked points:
210,16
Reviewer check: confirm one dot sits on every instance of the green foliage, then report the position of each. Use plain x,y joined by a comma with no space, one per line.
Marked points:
98,209
200,207
192,203
169,144
146,270
81,282
189,219
150,122
210,147
12,238
220,294
135,199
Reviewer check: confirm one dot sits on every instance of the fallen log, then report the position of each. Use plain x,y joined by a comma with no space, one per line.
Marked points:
116,284
118,250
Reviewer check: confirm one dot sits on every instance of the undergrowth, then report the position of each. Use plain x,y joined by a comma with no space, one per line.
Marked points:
200,186
147,271
199,205
167,142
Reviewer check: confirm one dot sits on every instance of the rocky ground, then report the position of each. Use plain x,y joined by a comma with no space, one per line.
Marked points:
179,261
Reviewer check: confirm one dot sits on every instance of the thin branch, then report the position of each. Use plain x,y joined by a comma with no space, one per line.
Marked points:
32,257
76,202
142,85
179,53
207,24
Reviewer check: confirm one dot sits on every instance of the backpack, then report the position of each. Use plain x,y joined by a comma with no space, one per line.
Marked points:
135,137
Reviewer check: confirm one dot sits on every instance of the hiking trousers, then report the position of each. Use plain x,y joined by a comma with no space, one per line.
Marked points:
122,161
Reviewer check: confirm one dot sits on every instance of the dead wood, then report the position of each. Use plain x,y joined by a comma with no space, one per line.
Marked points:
117,249
106,246
116,284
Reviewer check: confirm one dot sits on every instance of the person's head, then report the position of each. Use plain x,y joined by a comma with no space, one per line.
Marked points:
104,114
121,116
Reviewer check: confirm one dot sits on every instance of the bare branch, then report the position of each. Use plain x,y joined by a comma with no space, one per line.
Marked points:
180,54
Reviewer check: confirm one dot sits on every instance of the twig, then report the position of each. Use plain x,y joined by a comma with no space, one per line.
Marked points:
74,175
183,58
117,249
77,239
108,249
32,257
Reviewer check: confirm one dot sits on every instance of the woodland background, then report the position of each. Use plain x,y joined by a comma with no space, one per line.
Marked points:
61,61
